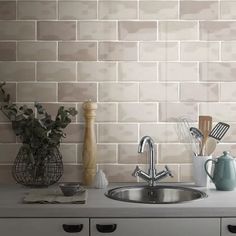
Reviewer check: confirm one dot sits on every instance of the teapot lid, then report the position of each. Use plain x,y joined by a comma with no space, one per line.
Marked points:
226,154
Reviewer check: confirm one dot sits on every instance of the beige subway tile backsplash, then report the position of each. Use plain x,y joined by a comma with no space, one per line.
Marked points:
158,10
147,63
118,92
17,71
117,10
36,51
158,51
37,10
77,51
37,92
56,71
199,10
117,51
137,30
77,10
56,30
7,51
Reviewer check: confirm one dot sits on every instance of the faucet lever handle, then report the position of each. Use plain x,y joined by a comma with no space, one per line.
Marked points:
169,171
136,170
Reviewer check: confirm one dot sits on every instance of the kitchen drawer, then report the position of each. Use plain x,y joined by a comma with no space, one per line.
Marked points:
44,226
228,226
156,227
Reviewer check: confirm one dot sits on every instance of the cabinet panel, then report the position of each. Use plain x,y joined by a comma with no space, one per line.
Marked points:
228,222
44,227
157,227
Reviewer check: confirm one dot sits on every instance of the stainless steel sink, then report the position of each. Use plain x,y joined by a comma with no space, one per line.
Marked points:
155,195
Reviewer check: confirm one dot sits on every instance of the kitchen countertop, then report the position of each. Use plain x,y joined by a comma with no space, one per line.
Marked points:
217,204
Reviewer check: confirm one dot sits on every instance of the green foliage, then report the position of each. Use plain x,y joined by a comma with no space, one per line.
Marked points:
37,130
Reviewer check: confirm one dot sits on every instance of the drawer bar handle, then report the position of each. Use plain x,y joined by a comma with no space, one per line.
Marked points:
232,229
106,228
72,228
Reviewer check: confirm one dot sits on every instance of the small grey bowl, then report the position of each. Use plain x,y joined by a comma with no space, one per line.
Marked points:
69,189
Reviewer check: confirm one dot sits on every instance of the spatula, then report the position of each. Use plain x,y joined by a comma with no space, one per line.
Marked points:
205,126
215,136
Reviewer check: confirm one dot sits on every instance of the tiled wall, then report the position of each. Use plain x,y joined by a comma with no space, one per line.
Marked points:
146,63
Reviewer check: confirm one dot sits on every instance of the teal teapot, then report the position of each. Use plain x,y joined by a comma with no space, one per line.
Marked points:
224,174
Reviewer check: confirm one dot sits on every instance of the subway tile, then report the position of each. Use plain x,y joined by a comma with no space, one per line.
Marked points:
52,108
228,10
36,51
17,71
225,112
218,30
72,173
106,153
97,30
37,10
6,174
17,30
77,51
158,51
96,71
178,30
161,133
56,30
228,92
156,92
37,92
7,51
7,134
8,10
174,153
117,10
199,10
74,133
128,154
228,51
119,173
137,30
117,133
77,10
229,138
199,92
68,152
56,71
221,147
117,51
137,112
106,112
10,88
170,112
159,10
77,92
8,152
186,173
178,71
118,92
217,71
199,51
137,71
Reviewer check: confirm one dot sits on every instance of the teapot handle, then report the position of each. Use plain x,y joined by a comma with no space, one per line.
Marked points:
205,166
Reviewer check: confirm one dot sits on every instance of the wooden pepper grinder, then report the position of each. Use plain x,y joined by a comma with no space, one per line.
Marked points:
90,146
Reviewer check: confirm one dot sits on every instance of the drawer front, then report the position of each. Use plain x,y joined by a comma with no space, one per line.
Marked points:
228,226
156,227
44,227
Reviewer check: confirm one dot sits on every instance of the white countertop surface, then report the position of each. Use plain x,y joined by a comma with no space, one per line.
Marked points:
217,204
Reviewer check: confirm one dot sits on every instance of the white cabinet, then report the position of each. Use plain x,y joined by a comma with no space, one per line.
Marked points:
228,227
155,227
44,227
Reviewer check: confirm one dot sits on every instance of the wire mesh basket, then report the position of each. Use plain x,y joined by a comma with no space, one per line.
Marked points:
37,170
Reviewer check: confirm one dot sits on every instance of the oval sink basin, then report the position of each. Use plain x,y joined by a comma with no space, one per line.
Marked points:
155,195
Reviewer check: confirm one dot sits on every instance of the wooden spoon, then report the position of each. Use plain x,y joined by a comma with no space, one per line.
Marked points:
205,126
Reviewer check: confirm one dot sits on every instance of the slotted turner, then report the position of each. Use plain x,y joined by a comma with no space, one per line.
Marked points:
205,126
215,136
